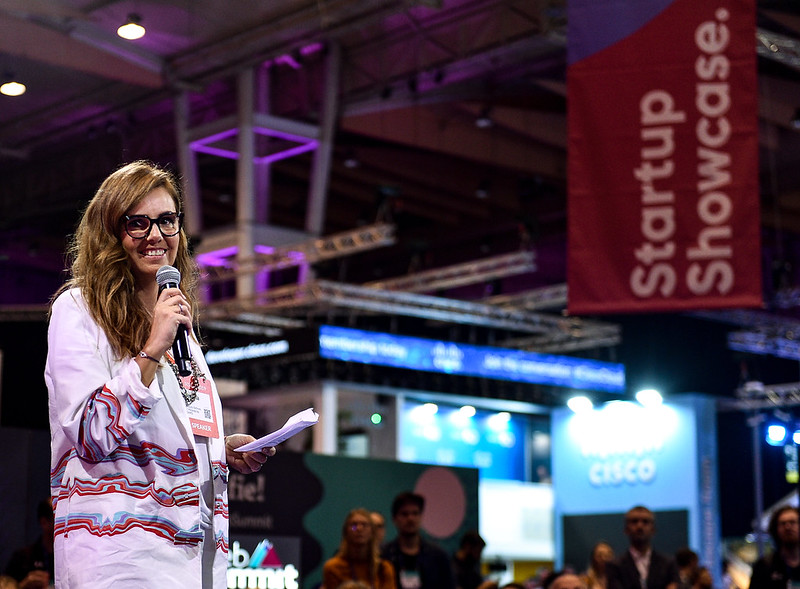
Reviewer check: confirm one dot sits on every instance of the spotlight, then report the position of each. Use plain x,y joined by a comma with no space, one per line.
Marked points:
13,89
484,120
580,404
776,434
132,29
499,421
649,398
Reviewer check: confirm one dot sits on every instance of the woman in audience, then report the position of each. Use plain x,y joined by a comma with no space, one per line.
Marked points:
358,558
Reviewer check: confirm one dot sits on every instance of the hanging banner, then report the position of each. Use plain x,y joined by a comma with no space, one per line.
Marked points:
662,156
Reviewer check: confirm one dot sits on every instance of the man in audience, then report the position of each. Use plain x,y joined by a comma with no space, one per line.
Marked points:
641,567
418,563
781,568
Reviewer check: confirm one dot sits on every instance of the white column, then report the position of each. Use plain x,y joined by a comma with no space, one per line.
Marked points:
327,430
245,200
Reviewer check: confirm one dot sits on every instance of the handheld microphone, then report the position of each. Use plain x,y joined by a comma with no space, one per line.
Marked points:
170,277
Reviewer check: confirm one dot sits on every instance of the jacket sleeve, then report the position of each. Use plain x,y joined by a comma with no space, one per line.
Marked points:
96,400
760,579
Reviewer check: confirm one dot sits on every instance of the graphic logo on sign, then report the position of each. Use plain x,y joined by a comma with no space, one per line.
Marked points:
261,569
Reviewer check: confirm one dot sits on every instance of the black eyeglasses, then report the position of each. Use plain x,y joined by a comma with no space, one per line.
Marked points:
139,226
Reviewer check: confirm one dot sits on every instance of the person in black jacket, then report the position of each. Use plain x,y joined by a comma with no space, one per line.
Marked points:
641,567
418,564
781,569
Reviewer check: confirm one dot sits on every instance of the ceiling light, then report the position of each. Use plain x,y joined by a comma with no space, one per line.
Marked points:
484,186
776,434
351,160
132,30
649,398
580,404
484,120
11,87
795,122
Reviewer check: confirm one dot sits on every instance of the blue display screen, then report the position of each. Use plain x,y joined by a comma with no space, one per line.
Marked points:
493,442
367,347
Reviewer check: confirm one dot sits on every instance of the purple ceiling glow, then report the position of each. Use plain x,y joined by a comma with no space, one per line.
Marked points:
226,256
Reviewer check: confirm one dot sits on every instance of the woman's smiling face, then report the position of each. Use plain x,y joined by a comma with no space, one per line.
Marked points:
150,253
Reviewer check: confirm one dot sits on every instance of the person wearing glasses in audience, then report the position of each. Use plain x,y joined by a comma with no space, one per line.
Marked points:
379,523
780,568
139,456
358,558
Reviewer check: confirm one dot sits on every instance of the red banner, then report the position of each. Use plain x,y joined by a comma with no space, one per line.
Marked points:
663,156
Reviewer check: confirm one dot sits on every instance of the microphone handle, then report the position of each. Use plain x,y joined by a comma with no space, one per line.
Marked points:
181,351
180,347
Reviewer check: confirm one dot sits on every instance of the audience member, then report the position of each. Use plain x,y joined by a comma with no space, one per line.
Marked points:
353,585
418,563
379,524
595,575
686,560
7,582
32,565
467,563
641,567
358,558
701,578
781,568
563,580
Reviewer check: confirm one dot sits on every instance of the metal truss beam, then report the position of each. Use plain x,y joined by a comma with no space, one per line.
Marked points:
313,250
23,313
777,47
460,274
755,395
581,335
321,297
546,297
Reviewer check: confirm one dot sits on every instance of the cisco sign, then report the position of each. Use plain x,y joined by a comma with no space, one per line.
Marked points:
621,442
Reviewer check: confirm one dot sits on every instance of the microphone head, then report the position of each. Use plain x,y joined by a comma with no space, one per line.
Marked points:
167,275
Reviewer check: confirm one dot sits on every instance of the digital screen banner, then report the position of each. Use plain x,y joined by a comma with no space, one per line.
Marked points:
353,345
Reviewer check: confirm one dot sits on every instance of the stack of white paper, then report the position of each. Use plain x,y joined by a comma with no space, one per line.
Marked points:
296,423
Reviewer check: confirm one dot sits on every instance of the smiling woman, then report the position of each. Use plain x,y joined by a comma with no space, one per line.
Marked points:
139,469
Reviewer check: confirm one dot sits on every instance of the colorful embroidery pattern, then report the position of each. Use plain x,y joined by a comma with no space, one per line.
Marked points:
104,408
123,522
183,495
